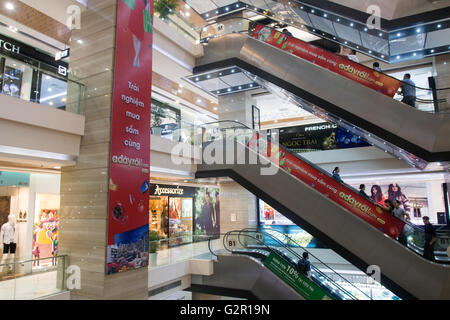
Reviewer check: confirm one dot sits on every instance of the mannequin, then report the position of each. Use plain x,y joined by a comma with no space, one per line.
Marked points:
8,237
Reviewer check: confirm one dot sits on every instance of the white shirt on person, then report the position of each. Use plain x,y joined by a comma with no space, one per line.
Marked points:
9,233
353,57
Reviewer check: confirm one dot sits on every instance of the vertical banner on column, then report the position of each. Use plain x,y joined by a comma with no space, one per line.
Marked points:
130,138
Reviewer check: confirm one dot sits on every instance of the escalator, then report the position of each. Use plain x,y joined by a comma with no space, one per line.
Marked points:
356,228
342,93
266,265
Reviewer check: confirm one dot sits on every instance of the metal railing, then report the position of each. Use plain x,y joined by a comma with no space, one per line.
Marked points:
21,280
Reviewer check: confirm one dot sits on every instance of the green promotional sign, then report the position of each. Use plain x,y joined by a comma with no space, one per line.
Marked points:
130,3
302,285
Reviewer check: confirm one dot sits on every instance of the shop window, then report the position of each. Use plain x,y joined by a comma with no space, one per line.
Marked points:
17,78
53,92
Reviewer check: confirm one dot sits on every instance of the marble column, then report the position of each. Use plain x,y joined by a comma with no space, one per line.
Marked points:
84,187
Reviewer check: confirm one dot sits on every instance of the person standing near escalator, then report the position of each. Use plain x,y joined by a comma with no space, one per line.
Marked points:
336,175
304,266
408,90
430,239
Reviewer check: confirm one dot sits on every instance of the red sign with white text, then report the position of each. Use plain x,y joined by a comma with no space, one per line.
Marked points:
334,190
347,68
130,138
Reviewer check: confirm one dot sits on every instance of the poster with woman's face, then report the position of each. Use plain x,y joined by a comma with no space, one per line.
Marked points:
413,197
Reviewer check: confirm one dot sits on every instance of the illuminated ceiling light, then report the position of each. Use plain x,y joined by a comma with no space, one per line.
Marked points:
240,88
63,100
338,20
51,103
187,6
398,57
365,29
382,56
439,26
226,9
352,24
49,89
57,168
229,89
312,11
187,14
196,79
232,71
325,15
370,51
237,6
380,34
432,51
80,41
215,108
399,34
9,6
414,54
301,7
418,30
251,85
217,11
208,76
207,15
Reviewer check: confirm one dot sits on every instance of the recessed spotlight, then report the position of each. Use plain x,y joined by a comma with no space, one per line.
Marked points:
380,34
312,11
398,57
399,34
352,24
414,54
325,15
439,26
63,100
365,29
432,51
338,20
50,103
9,6
418,30
80,41
49,89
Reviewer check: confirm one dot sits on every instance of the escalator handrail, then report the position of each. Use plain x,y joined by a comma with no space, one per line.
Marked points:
228,234
256,23
304,249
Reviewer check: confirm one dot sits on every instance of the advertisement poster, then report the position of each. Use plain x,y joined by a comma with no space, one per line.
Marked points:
335,191
318,137
413,198
45,237
347,68
297,281
207,212
128,221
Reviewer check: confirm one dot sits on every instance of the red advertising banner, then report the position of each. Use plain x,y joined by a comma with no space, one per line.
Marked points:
337,192
347,68
128,220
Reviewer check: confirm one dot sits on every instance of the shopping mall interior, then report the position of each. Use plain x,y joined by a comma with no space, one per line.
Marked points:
187,150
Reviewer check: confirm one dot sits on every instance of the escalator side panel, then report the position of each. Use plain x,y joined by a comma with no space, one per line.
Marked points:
244,273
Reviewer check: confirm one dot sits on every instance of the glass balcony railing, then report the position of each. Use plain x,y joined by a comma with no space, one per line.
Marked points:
178,22
20,281
37,82
169,251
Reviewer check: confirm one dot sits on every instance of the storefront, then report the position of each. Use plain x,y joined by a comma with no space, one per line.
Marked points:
32,75
34,201
183,214
276,224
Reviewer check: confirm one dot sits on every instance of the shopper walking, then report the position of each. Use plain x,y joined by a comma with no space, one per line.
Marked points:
430,239
336,175
287,33
304,265
408,90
